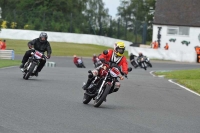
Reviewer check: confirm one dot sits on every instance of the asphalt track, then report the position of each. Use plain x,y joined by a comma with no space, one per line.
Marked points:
52,102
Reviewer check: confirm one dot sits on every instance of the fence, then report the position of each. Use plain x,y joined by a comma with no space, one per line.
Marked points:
7,54
174,55
61,37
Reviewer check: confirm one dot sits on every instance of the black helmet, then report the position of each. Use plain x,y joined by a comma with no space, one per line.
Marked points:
43,35
140,54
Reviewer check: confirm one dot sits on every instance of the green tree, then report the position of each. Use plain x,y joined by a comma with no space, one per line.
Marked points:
133,14
78,16
97,15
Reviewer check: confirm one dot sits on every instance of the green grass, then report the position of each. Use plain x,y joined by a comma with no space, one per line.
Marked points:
7,63
60,48
188,78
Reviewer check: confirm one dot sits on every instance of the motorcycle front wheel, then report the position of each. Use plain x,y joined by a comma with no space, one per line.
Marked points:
150,65
29,72
102,96
144,65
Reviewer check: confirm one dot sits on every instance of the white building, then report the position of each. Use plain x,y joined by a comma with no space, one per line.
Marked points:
180,24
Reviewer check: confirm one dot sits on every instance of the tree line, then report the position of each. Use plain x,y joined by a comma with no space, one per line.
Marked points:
79,16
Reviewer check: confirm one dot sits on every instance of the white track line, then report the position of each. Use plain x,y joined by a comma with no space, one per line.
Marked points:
7,67
152,74
170,80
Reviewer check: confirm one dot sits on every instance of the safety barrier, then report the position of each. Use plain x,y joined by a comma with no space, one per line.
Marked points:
50,64
61,37
7,54
176,55
161,54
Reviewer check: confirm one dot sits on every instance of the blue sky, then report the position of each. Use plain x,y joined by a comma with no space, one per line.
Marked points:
112,6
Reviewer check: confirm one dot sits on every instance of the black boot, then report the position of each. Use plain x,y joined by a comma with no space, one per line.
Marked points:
36,73
90,79
87,84
22,65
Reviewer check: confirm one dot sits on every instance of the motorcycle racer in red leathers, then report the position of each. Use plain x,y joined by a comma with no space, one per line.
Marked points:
112,56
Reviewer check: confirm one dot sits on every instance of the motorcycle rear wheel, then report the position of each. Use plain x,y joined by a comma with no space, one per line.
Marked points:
98,102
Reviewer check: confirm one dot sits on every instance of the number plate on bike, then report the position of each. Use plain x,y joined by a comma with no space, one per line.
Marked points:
114,72
38,55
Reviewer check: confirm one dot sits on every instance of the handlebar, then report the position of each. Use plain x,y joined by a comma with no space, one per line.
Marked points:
46,56
43,55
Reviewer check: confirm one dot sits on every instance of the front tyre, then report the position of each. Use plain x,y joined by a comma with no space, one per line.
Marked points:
28,74
150,65
86,99
102,97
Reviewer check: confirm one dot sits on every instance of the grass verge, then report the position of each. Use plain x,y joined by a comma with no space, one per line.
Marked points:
60,48
7,63
188,78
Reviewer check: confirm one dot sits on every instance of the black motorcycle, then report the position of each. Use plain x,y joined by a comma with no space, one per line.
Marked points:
102,85
32,64
147,61
142,62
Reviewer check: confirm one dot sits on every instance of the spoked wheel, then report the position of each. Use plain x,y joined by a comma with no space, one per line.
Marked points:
144,65
28,74
24,75
102,96
86,99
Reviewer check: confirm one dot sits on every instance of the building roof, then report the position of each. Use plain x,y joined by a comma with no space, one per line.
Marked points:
177,13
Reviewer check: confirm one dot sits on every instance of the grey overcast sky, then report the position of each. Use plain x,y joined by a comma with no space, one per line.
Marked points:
112,6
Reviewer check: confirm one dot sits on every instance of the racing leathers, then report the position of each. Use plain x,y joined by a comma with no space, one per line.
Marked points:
109,56
77,61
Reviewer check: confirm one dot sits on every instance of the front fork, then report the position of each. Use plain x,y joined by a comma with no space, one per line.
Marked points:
29,65
35,66
100,89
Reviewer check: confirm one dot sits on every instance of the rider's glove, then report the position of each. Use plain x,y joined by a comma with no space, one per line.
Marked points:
30,46
43,56
121,78
48,56
32,50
